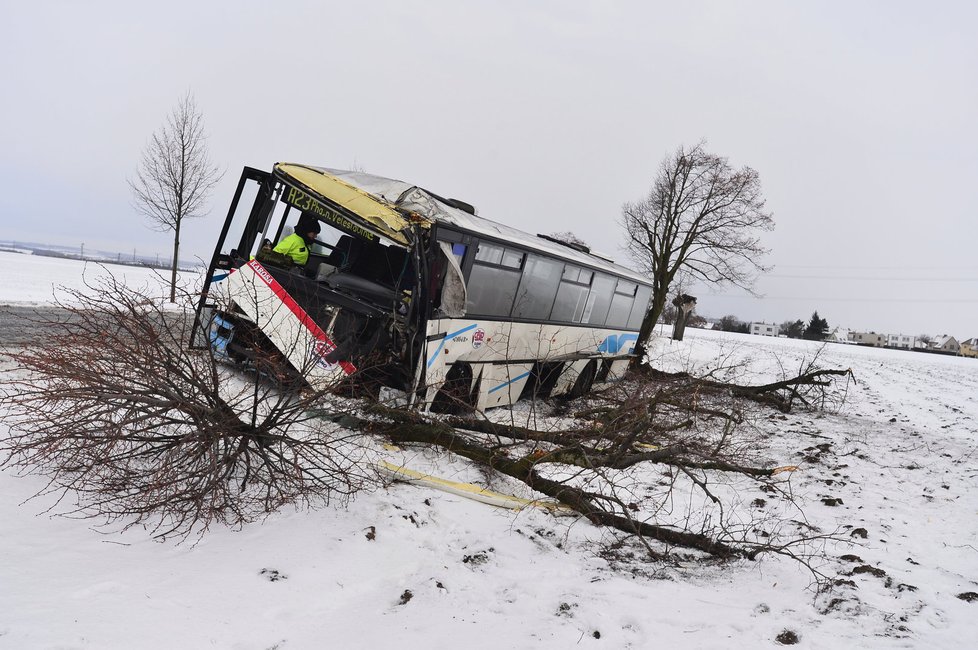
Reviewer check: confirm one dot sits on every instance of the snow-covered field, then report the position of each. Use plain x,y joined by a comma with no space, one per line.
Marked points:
31,279
900,461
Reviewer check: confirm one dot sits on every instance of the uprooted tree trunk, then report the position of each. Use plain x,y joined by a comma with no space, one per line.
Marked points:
115,410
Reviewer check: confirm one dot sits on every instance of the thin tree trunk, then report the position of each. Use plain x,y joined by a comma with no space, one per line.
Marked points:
173,269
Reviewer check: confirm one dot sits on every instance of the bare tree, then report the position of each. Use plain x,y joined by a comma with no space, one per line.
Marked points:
792,329
700,221
175,175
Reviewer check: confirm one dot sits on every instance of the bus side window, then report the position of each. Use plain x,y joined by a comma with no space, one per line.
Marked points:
538,288
640,307
448,288
493,280
602,291
621,304
571,295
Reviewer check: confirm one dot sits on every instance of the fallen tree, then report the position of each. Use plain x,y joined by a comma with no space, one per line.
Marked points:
128,424
640,423
119,415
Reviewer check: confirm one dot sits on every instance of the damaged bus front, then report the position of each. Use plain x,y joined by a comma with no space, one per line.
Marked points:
356,303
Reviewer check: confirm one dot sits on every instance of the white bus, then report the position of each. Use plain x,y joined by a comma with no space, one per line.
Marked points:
415,291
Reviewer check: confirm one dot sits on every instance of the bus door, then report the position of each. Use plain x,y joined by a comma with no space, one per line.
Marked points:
248,217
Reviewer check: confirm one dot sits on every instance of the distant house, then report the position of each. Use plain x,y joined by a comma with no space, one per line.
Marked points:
946,343
868,338
838,335
969,348
904,341
764,329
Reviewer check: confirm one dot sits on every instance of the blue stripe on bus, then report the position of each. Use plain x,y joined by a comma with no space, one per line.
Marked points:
449,336
516,378
615,342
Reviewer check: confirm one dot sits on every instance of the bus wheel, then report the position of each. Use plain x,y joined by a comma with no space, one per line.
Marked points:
584,380
454,396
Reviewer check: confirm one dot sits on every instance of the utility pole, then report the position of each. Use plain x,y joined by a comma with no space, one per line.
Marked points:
83,250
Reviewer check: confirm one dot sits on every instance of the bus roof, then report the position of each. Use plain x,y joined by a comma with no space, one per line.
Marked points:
385,202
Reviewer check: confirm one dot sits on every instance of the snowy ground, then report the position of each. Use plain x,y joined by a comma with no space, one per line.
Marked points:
31,279
899,461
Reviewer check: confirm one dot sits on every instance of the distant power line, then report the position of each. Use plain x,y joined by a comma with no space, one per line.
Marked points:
835,299
868,277
902,267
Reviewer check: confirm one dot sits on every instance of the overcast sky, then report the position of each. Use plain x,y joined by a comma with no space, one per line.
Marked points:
861,118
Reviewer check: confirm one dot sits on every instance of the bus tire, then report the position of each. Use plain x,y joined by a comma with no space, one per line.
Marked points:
584,381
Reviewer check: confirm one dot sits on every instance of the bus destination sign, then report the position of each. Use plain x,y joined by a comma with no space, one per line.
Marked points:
299,199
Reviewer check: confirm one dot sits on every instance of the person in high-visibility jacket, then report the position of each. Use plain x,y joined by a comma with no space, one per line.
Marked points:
296,245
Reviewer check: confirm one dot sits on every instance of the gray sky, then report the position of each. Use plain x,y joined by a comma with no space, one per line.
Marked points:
859,117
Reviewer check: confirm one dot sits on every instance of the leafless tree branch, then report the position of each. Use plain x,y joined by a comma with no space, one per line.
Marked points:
175,176
700,220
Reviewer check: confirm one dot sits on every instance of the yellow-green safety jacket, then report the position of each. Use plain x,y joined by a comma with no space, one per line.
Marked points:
295,247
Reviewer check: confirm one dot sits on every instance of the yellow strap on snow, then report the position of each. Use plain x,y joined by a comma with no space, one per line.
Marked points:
384,218
469,490
646,446
786,468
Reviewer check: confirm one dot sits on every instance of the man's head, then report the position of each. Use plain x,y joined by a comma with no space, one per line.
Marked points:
308,226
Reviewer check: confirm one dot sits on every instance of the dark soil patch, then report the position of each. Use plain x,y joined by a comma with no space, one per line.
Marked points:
477,558
871,570
787,638
273,575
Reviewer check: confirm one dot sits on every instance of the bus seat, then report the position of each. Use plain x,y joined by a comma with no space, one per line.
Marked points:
344,253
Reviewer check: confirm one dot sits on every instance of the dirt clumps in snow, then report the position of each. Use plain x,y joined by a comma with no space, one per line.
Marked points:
871,570
787,637
273,575
479,558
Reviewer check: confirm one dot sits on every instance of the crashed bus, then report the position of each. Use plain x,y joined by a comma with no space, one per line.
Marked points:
415,290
